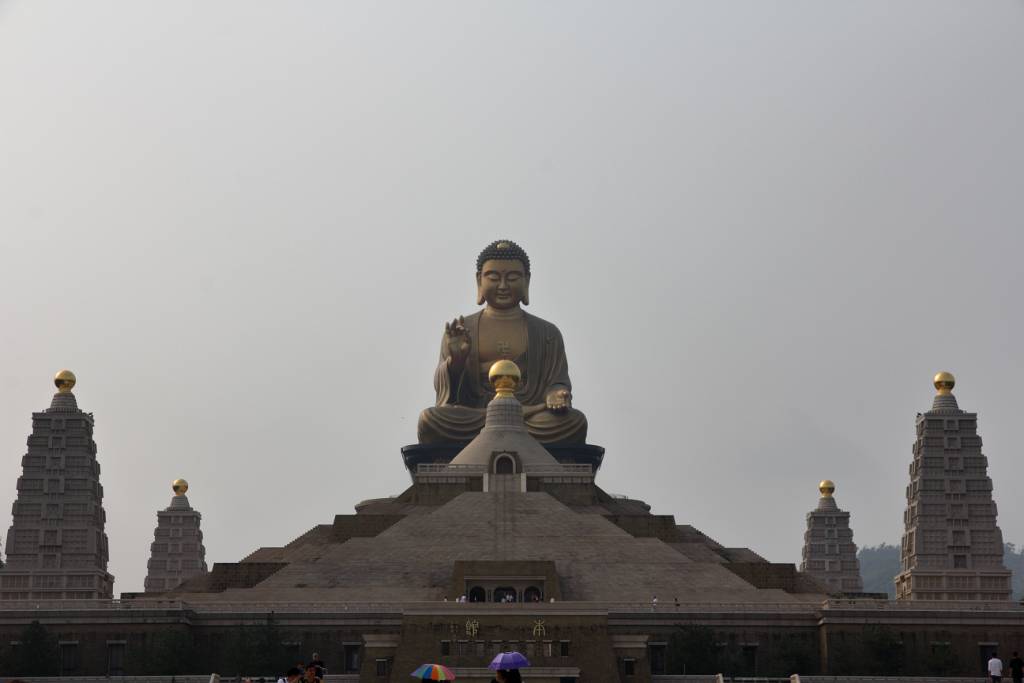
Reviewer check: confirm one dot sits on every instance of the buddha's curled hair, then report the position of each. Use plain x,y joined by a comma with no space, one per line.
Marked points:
503,250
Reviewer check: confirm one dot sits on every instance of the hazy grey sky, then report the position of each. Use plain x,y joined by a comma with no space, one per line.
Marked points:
761,228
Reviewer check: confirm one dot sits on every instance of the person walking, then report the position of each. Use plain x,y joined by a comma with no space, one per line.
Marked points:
995,668
1016,668
321,668
507,676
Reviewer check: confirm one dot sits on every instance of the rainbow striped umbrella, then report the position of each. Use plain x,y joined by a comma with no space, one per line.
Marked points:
433,672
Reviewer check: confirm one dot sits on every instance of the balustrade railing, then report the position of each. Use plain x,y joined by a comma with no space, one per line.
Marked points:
433,468
619,607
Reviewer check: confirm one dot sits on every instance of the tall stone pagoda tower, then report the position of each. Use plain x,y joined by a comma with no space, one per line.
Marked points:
56,546
830,555
952,548
177,551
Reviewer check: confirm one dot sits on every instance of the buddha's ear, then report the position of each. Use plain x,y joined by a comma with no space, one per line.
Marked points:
479,291
526,292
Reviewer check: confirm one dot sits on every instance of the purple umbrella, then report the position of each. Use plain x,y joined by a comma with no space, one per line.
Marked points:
508,660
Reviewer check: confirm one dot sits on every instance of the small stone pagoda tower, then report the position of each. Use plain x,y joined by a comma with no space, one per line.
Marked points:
177,551
830,555
952,548
56,546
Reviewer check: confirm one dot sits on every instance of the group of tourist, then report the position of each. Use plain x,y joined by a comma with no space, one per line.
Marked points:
313,672
1016,666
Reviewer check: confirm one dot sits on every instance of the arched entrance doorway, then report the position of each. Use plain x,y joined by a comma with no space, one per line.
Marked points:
533,594
477,594
505,594
504,464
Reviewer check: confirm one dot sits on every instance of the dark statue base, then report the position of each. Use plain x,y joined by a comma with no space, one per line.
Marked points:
442,454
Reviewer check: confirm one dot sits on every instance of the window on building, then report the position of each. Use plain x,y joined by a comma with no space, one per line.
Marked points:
115,658
985,652
446,648
548,648
351,656
68,658
505,594
382,668
563,648
48,581
629,667
959,562
657,657
748,660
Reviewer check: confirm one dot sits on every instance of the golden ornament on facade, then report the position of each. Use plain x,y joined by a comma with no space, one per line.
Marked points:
827,488
504,376
944,383
64,381
180,486
472,627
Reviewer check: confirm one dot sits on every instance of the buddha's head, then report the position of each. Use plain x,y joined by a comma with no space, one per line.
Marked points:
503,275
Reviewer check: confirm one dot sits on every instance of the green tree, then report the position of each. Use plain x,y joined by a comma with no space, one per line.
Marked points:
173,653
691,650
792,654
256,650
36,653
883,651
943,660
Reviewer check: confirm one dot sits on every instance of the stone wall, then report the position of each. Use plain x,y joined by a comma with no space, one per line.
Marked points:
766,574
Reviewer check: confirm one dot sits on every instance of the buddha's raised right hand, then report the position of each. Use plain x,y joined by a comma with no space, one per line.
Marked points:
457,342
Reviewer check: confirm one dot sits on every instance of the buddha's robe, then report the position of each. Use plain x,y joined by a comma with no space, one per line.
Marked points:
462,400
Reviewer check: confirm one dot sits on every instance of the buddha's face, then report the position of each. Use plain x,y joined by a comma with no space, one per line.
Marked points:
503,284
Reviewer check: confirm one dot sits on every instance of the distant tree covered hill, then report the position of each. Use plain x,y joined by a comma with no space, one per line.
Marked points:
1014,561
880,563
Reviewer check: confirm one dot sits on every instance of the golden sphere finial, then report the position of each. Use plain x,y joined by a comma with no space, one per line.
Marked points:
504,376
827,487
180,486
64,381
944,383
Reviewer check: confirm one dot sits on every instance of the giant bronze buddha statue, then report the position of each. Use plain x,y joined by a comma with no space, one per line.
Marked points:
502,331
